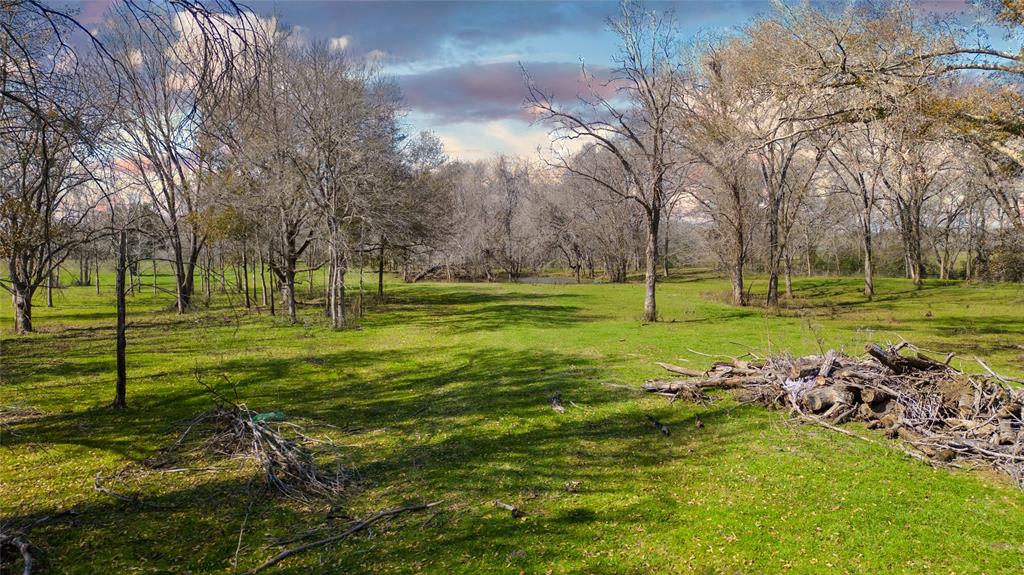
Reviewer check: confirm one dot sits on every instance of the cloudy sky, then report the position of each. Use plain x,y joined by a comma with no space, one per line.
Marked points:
458,62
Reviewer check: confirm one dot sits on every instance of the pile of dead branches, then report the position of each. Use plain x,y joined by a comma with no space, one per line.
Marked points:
943,413
287,456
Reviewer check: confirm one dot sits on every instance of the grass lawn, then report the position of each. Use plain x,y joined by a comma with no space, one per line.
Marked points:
442,394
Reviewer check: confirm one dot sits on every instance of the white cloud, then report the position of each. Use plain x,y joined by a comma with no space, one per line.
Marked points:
376,56
339,43
479,140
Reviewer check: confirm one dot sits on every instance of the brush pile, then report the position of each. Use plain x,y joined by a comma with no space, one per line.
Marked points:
944,414
285,455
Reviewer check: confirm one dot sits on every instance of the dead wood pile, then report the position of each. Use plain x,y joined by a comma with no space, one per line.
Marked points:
944,414
286,455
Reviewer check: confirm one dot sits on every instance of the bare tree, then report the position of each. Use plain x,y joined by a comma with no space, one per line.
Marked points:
857,158
639,135
177,66
48,125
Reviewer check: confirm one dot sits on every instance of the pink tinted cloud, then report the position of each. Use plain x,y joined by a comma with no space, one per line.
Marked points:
495,91
91,11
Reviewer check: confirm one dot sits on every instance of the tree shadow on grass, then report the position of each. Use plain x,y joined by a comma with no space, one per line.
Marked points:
464,311
487,431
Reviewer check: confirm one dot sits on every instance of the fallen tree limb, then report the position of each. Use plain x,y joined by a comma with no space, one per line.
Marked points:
715,382
680,370
515,511
22,547
356,527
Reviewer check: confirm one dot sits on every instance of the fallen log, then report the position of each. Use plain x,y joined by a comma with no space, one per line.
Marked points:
900,364
822,398
680,370
718,382
871,395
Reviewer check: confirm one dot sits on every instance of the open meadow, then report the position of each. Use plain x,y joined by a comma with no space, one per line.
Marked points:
583,287
442,394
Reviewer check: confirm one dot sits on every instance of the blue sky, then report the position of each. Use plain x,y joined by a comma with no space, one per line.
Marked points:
458,62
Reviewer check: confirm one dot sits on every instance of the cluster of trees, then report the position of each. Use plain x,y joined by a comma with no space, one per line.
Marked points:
200,136
830,138
868,135
806,116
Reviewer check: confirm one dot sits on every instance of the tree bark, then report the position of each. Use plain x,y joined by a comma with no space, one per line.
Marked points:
263,275
286,280
738,297
208,275
789,274
664,254
245,275
21,294
774,248
336,287
122,342
380,272
273,310
651,267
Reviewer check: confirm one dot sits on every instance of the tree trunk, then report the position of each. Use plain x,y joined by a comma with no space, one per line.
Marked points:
361,286
336,287
808,253
97,276
182,291
774,249
738,260
21,294
209,278
245,276
263,276
869,263
273,311
651,266
380,272
789,274
737,283
49,289
664,254
288,295
122,342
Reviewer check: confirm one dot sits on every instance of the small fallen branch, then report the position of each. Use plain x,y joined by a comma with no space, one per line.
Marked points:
97,484
283,450
354,528
21,546
515,511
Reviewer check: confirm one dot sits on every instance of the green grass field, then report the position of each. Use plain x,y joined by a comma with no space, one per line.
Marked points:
442,394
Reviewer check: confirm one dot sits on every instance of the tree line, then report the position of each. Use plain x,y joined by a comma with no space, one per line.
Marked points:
232,149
